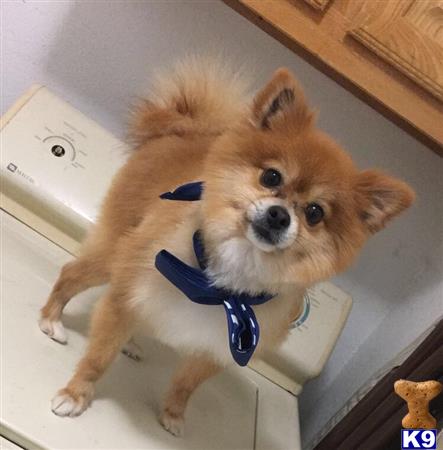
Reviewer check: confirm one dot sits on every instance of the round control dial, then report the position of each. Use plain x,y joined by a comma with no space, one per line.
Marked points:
305,313
60,147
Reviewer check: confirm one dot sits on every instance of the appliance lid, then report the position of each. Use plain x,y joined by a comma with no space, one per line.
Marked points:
222,413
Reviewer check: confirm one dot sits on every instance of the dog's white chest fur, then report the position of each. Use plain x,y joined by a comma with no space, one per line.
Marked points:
180,323
190,327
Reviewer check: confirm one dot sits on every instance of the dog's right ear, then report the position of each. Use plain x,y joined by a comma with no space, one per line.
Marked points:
279,101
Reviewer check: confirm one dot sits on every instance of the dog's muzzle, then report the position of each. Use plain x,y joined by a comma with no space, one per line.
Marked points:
271,225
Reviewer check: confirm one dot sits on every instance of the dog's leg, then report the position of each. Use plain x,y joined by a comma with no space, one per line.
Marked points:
112,326
76,276
188,377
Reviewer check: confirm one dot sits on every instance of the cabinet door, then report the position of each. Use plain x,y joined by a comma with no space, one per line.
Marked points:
409,35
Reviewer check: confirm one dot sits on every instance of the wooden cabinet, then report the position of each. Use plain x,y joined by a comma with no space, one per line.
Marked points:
408,35
318,4
388,52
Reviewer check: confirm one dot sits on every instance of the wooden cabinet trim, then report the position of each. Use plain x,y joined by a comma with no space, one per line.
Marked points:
322,39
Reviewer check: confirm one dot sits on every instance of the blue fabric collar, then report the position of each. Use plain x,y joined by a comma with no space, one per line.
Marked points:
189,192
243,328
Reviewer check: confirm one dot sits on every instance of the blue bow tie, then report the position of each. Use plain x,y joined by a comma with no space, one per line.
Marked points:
243,328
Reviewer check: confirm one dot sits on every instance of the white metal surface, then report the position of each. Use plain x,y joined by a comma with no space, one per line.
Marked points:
311,341
56,159
6,444
223,414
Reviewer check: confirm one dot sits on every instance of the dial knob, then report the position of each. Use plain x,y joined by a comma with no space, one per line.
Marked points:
59,147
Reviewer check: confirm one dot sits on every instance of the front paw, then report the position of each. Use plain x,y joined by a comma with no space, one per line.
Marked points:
175,424
69,404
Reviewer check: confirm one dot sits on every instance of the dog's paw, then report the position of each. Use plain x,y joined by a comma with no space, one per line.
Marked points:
174,424
65,404
54,329
133,351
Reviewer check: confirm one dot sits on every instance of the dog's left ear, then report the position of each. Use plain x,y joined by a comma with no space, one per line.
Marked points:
281,99
380,198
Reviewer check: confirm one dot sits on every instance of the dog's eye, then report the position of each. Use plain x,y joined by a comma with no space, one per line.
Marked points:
271,178
314,214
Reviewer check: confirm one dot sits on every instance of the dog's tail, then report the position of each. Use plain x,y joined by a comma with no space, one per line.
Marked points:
200,96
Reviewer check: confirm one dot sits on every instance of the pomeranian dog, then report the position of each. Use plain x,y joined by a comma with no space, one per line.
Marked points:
282,207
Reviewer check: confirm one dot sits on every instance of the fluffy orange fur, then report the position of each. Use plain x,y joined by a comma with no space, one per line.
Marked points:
199,126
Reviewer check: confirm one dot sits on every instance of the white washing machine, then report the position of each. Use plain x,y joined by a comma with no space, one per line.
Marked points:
56,165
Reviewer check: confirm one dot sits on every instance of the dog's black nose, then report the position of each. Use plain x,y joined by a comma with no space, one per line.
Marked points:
277,218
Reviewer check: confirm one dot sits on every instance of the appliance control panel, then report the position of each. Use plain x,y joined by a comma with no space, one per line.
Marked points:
311,339
60,163
52,155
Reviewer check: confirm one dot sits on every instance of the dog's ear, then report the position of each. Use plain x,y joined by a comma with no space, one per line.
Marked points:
281,99
380,198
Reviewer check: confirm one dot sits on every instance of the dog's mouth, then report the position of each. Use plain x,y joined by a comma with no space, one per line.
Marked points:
264,234
266,239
